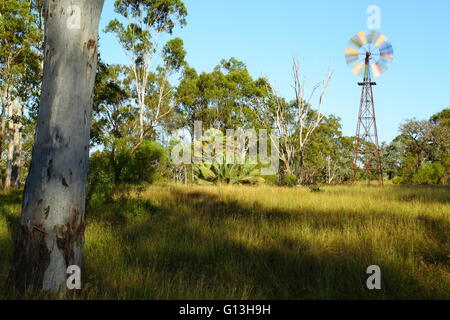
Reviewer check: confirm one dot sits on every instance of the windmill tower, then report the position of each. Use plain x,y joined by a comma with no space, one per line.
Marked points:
368,54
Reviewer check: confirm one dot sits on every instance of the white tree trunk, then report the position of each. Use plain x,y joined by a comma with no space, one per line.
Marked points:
52,222
10,151
4,97
14,144
17,145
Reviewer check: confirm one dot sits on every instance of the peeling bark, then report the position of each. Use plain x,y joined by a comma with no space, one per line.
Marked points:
52,222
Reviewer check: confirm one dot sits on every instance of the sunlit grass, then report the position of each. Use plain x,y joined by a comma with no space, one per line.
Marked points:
237,242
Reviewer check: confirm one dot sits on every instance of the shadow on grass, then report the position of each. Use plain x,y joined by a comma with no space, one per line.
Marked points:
10,204
425,194
194,240
195,245
406,193
9,216
437,229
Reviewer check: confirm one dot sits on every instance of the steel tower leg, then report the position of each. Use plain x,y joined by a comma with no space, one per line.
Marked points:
366,155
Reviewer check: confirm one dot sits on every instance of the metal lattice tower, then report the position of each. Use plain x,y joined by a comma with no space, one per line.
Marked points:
366,155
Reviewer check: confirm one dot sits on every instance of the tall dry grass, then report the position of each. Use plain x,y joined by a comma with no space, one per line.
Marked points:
237,242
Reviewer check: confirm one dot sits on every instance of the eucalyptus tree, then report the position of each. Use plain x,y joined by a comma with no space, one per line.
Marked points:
393,155
13,159
328,158
160,93
115,124
52,221
306,127
146,21
425,143
295,121
20,73
226,98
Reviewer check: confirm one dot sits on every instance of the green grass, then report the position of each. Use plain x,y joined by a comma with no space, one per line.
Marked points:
236,242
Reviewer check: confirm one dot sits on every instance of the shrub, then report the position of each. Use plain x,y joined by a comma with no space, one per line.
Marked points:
397,180
428,173
315,188
289,180
100,178
104,176
142,165
271,180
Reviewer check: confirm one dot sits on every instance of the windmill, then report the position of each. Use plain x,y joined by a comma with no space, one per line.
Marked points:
368,54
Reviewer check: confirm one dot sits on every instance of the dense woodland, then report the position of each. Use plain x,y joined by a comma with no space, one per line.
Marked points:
138,106
64,110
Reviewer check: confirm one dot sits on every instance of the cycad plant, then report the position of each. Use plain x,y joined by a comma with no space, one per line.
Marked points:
207,173
218,170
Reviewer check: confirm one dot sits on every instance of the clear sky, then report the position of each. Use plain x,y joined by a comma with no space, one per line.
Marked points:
266,35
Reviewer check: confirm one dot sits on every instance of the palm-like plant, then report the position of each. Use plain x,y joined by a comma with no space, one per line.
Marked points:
209,173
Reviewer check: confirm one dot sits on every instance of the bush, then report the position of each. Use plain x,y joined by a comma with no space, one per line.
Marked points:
138,168
315,188
397,180
428,173
253,180
143,163
289,180
271,180
100,178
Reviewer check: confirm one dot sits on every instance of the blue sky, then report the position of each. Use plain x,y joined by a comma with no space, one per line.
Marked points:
266,35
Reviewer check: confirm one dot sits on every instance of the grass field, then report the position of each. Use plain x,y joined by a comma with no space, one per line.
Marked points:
236,242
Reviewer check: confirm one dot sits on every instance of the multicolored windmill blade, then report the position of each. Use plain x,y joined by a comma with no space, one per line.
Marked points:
377,45
356,41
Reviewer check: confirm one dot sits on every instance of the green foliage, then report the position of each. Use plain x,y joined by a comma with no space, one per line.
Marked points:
227,173
289,180
20,40
108,169
328,157
161,14
173,54
315,189
392,157
113,115
215,168
442,118
151,93
423,148
141,166
428,173
147,19
272,180
101,184
409,168
225,98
